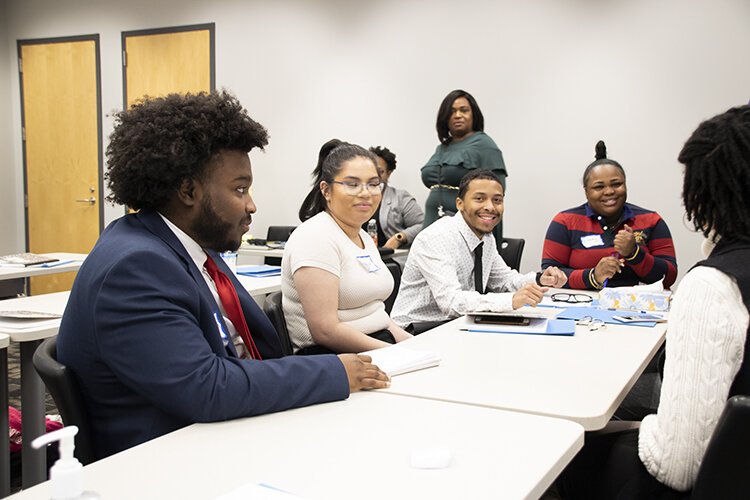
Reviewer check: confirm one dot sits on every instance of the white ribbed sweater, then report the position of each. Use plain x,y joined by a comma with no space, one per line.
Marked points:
705,344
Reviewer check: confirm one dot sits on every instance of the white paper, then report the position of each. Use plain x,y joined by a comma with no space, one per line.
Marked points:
395,360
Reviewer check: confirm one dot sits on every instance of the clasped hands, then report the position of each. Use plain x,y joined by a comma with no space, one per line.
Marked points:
625,245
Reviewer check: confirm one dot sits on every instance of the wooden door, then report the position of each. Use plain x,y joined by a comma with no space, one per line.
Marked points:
168,60
61,120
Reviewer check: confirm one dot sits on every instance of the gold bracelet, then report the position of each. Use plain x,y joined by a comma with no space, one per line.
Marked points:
637,249
592,279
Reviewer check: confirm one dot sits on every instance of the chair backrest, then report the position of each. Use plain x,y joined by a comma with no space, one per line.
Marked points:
395,270
277,233
63,387
511,250
723,471
275,312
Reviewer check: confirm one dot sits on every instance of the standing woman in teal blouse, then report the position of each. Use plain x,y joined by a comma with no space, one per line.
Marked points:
463,146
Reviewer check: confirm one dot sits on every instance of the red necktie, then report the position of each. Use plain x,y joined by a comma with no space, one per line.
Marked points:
231,303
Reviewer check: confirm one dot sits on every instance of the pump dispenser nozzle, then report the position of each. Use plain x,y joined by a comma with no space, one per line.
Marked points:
67,473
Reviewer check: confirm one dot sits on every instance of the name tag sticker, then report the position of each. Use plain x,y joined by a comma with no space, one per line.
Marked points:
224,336
367,262
592,240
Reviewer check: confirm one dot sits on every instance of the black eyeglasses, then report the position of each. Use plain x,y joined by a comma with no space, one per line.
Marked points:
571,298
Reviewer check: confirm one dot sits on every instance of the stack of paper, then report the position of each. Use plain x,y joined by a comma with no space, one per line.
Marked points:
25,320
395,360
259,271
25,259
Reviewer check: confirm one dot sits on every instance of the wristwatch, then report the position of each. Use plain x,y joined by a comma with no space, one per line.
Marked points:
400,237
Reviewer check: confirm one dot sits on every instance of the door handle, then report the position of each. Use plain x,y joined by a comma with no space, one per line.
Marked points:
90,200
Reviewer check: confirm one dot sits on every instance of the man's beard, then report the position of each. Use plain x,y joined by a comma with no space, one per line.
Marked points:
211,231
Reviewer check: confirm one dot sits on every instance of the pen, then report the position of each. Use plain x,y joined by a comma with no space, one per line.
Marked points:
55,264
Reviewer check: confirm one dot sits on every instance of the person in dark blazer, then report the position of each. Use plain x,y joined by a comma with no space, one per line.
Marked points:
148,330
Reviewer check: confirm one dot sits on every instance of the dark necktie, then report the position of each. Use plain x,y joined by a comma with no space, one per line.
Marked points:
478,268
231,303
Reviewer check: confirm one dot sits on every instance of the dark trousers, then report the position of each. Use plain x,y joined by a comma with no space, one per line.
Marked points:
383,335
608,467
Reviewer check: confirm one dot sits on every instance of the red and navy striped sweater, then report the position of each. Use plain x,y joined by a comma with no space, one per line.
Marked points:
578,238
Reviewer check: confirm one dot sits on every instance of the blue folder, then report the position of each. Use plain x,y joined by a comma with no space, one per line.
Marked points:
554,327
261,271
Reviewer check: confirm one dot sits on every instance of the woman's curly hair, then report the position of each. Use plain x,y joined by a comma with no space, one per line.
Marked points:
159,142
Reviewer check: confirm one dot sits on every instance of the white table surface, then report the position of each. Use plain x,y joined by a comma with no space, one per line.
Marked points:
4,341
7,273
359,448
583,377
50,302
260,286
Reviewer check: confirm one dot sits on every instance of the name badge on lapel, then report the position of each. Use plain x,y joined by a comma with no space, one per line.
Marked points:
224,336
592,240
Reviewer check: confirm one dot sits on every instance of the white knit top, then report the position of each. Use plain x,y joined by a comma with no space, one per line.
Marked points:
708,323
364,280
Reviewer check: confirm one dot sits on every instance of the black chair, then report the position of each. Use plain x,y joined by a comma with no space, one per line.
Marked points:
723,471
395,270
63,387
277,233
273,309
511,250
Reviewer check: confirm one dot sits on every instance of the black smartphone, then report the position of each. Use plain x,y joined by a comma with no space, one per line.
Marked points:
501,320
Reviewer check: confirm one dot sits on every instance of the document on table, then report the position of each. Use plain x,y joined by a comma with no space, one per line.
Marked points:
25,259
522,312
395,360
20,314
536,326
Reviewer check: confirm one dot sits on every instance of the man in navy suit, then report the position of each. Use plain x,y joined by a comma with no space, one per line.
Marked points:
145,332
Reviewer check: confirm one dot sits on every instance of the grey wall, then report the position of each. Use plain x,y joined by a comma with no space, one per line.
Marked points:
551,76
11,213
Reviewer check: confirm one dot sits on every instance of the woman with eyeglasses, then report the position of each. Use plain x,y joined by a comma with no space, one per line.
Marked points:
333,279
607,241
708,353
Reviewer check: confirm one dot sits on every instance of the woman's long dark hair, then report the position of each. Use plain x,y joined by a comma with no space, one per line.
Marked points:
333,154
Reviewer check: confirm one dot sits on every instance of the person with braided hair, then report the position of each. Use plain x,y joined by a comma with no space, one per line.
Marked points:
607,240
707,338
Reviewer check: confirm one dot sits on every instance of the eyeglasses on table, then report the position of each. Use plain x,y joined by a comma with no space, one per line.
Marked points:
591,323
571,298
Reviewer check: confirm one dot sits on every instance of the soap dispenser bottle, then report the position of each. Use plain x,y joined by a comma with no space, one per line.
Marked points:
66,475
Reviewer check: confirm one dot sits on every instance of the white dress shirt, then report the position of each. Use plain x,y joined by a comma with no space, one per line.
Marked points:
438,280
199,256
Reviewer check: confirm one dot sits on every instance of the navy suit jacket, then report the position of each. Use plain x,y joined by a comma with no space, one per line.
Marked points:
140,334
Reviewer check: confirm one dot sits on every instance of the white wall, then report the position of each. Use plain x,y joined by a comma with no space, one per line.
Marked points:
551,76
11,210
